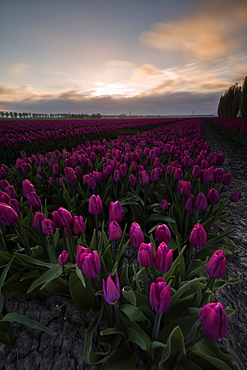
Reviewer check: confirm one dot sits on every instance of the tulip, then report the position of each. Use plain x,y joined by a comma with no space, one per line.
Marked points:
214,320
10,190
48,227
213,196
227,178
145,255
114,231
196,171
37,220
208,175
198,237
63,258
70,174
155,174
95,206
143,177
218,175
88,262
111,289
201,202
116,211
79,225
4,197
160,295
136,235
116,175
55,169
235,197
8,215
164,204
216,266
27,187
184,187
91,183
178,174
33,200
62,217
162,234
132,180
15,204
4,184
163,258
190,204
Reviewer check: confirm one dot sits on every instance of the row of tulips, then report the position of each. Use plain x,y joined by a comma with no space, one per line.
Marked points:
131,233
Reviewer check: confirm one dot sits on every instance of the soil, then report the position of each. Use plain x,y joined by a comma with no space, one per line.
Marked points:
34,349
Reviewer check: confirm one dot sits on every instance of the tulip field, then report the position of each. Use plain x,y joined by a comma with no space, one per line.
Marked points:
116,215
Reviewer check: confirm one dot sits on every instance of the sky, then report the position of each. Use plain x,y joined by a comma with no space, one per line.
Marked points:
159,57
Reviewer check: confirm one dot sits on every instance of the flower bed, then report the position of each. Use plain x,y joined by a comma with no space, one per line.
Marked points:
122,227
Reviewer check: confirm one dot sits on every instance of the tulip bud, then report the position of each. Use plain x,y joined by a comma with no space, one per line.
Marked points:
162,234
164,205
196,171
216,266
201,202
235,197
145,255
63,258
155,174
95,206
213,196
4,184
79,225
37,220
114,231
160,295
184,187
227,178
132,179
116,175
178,174
190,204
111,289
8,215
163,258
88,262
48,227
198,237
4,197
116,211
218,175
69,174
27,187
33,200
214,320
144,177
15,204
62,217
136,235
10,190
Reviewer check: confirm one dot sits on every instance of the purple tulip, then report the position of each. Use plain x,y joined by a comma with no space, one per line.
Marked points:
201,202
79,225
62,217
198,237
8,215
37,220
95,206
48,227
214,320
114,231
88,262
213,196
216,266
235,197
33,200
132,180
27,187
116,211
144,177
145,254
227,178
178,174
160,295
136,235
15,204
184,187
162,234
164,205
163,258
190,204
196,171
70,174
4,197
63,258
10,190
111,289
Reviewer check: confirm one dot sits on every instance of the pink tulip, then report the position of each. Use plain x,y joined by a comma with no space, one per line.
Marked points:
160,295
214,320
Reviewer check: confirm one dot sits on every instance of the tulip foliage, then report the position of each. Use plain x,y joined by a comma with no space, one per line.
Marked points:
122,227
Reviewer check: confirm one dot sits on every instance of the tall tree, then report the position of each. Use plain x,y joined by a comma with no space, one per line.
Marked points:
244,98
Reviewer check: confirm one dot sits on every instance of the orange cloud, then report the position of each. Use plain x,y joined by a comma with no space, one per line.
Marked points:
19,69
214,32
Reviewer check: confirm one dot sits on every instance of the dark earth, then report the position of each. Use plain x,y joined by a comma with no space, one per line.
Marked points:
34,349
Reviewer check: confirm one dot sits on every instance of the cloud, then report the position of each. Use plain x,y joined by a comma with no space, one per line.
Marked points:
19,69
208,33
119,64
146,70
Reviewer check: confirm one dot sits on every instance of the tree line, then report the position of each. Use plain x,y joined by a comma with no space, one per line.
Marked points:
233,102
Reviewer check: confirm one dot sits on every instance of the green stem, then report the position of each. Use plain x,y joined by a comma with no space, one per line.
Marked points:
117,315
207,285
4,240
196,340
21,236
97,231
146,280
191,262
156,326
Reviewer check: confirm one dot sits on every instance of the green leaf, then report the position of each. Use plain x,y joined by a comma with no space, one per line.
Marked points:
28,260
80,276
184,288
175,347
139,337
133,313
159,218
223,283
122,359
47,276
82,296
10,317
90,332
